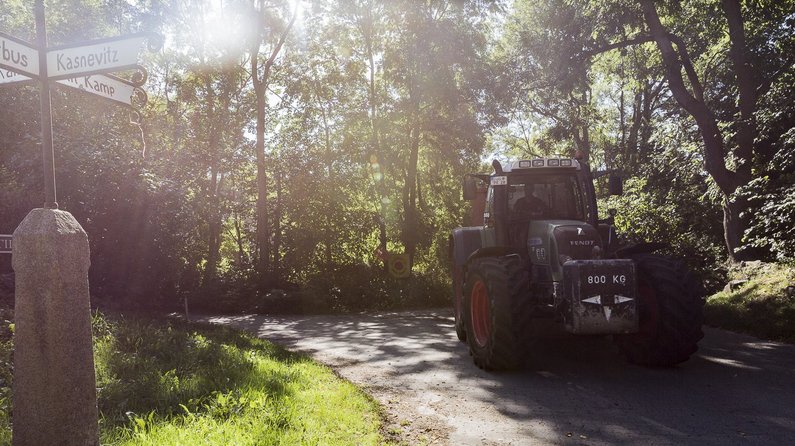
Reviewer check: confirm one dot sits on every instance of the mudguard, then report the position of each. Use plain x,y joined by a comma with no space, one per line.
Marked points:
463,243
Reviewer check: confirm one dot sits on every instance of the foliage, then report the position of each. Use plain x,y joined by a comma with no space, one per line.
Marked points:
674,206
772,194
174,383
763,304
588,75
169,203
374,111
6,372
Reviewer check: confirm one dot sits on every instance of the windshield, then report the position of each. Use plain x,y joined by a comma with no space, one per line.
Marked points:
548,197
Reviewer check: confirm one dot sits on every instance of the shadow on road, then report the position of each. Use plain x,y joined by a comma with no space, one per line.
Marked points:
736,390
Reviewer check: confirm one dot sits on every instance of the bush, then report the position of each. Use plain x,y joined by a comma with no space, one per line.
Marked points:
760,301
772,198
362,287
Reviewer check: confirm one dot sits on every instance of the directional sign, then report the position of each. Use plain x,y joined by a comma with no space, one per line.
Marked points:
103,85
99,56
18,56
8,77
5,244
108,87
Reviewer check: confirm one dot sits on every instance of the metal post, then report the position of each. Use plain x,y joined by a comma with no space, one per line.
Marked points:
48,154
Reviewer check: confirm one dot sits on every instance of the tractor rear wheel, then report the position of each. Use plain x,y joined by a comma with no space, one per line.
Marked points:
671,313
497,312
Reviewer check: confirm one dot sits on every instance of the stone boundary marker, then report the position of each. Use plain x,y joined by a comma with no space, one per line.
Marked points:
54,388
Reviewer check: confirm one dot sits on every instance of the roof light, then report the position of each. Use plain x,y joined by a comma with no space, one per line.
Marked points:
565,163
524,164
553,162
538,163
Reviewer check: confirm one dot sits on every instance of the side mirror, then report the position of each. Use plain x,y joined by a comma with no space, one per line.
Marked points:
470,188
615,184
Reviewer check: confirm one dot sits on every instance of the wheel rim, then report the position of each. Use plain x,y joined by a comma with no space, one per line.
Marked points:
481,320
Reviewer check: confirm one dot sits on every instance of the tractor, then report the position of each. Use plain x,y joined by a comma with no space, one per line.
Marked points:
537,255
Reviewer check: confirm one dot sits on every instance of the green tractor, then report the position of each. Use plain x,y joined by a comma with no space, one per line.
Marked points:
537,256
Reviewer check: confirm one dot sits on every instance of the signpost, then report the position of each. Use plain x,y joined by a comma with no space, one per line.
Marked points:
54,387
108,87
99,56
103,85
9,77
5,244
18,55
81,66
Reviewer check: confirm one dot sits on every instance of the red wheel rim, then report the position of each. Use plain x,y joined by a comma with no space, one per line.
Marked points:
481,322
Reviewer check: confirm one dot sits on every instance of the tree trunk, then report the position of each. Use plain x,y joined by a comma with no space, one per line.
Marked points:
367,26
410,227
714,161
260,82
328,229
277,229
241,252
263,225
746,88
214,225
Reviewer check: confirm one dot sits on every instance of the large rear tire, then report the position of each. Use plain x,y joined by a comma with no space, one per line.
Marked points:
671,313
497,312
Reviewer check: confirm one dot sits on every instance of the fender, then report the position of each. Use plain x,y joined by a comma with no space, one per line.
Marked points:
492,251
463,242
638,248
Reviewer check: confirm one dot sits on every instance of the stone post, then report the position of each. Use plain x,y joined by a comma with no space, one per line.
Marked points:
54,389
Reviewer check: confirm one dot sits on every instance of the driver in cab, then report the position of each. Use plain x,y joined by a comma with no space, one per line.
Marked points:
530,206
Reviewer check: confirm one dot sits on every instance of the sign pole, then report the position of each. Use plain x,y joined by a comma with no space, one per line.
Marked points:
47,151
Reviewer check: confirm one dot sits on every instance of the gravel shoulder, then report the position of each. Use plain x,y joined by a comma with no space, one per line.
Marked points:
736,390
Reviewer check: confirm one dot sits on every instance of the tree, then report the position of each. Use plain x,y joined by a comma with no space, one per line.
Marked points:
272,29
717,84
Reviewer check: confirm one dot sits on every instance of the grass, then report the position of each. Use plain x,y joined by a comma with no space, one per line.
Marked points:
169,383
763,306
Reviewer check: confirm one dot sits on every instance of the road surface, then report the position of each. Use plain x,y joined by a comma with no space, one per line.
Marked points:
736,390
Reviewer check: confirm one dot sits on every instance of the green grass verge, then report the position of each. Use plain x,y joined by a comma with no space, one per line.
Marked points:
763,306
168,383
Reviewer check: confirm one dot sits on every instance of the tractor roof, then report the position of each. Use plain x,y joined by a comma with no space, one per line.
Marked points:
542,163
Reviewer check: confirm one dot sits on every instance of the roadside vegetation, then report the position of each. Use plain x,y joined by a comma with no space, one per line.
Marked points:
382,109
168,383
759,300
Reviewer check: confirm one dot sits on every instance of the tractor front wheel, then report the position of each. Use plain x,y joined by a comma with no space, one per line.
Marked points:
497,312
671,313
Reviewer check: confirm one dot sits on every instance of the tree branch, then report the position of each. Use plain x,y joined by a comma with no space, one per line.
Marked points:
616,45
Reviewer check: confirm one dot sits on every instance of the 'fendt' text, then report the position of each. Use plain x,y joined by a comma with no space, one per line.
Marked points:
93,60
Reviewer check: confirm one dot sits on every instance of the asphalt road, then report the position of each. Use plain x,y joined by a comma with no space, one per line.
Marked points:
736,390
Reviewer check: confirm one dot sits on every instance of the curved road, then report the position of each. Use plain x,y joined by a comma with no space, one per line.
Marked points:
736,390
